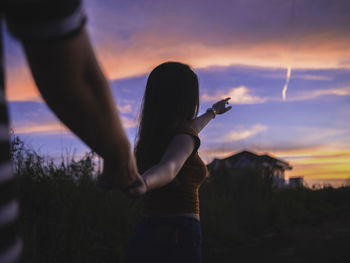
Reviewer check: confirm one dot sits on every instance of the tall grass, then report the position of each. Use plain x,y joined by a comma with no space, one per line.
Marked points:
65,217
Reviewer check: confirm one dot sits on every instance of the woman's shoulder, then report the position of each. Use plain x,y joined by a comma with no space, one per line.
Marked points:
186,128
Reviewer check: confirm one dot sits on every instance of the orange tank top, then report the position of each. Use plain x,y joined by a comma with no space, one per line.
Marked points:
181,195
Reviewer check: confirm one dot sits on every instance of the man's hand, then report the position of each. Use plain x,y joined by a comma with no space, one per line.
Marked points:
119,173
137,189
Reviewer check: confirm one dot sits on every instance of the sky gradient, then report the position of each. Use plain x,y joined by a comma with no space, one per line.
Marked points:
245,49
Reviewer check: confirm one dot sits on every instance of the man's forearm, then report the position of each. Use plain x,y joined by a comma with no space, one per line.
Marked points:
92,117
71,82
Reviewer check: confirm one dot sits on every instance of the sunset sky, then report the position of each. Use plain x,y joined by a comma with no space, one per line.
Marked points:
238,48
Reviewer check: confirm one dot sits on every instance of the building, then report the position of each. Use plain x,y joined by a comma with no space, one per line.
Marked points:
247,160
296,181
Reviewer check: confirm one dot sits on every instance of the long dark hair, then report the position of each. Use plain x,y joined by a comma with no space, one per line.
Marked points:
171,100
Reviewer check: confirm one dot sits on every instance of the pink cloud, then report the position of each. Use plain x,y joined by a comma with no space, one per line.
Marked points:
238,95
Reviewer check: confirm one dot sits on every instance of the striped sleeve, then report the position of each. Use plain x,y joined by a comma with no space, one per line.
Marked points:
28,20
44,20
10,241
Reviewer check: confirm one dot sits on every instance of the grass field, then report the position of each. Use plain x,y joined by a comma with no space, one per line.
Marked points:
65,217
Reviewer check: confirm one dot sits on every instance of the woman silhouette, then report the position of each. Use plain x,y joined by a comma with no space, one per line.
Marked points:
172,171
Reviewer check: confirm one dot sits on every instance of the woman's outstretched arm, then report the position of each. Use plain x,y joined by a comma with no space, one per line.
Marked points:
218,108
201,121
176,154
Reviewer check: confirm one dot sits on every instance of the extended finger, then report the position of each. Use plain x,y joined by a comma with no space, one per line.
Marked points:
227,99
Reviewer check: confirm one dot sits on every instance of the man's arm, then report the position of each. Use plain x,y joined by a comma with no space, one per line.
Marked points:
71,82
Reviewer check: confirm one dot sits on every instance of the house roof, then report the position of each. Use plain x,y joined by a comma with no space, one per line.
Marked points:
265,160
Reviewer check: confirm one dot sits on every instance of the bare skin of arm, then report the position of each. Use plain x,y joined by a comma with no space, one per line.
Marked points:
74,87
200,122
176,154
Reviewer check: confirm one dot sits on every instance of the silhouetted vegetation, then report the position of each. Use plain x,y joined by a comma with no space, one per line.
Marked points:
65,217
239,206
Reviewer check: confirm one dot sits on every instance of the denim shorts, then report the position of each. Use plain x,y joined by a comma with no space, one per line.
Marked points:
165,239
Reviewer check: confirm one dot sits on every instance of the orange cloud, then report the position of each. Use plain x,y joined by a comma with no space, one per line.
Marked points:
55,127
20,85
46,128
148,49
145,50
131,39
